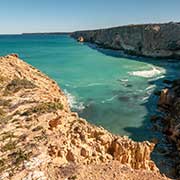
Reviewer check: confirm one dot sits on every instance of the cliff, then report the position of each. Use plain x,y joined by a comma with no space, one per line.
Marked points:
150,40
169,104
41,138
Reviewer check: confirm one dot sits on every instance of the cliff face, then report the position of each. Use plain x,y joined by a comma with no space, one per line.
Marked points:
151,40
169,103
41,138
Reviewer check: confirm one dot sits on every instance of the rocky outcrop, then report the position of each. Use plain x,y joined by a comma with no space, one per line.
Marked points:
169,104
41,138
151,40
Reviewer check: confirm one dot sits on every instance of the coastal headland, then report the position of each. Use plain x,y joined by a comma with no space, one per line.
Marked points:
150,40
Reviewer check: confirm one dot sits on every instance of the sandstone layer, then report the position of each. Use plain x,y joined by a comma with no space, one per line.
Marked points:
150,40
41,138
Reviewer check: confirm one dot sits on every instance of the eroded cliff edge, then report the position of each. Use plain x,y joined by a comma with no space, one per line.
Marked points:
41,138
150,40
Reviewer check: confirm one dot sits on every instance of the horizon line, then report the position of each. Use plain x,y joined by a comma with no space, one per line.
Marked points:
69,32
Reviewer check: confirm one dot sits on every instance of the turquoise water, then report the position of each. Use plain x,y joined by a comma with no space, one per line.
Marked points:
111,91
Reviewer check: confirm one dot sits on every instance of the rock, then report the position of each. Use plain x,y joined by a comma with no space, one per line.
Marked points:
105,139
165,98
135,154
84,152
157,93
154,140
154,118
70,156
81,39
54,123
14,55
166,81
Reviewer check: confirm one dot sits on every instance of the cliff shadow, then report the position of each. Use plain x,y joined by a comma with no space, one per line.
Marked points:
151,130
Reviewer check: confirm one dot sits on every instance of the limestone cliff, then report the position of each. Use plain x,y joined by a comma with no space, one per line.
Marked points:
151,40
41,138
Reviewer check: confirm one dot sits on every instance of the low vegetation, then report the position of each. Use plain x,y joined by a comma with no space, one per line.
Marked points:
16,84
2,165
4,102
19,156
46,107
7,135
2,79
11,145
2,113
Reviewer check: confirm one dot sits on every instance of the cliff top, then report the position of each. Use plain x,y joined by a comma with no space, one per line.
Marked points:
130,25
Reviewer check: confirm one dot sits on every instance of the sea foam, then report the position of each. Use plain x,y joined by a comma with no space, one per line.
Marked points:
73,103
148,73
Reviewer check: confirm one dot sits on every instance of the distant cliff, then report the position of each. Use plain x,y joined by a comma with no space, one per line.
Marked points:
151,40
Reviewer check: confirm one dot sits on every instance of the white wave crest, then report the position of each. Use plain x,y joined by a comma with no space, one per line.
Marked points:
73,103
109,99
123,80
156,78
94,84
148,73
144,99
151,87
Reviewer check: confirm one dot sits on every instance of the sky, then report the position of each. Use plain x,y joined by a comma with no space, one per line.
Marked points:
19,16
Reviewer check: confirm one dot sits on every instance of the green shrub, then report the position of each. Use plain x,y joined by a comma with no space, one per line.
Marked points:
16,84
2,165
2,112
11,145
4,102
7,135
46,107
19,156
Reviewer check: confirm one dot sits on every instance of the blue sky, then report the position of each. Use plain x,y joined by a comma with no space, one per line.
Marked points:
17,16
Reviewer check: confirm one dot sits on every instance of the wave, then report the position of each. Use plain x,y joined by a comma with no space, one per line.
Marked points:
148,73
84,85
156,78
73,103
109,99
144,99
94,84
151,87
70,85
123,80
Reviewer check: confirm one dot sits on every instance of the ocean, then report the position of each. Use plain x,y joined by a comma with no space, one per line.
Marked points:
106,87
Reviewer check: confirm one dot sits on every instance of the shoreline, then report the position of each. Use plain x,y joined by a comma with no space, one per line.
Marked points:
59,136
